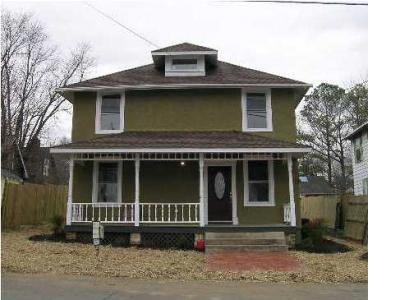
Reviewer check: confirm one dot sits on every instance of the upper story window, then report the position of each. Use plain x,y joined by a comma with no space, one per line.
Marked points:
256,110
258,183
110,112
185,65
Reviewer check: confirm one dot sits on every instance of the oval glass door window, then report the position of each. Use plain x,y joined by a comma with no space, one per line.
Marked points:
219,185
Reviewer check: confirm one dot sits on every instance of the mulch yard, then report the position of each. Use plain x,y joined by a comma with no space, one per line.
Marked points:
19,254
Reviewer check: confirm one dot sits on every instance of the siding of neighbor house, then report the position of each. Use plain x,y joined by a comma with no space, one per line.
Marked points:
170,182
360,170
207,109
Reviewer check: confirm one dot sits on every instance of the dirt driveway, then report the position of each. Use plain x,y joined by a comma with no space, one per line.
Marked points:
21,255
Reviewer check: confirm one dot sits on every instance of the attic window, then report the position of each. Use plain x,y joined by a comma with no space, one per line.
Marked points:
184,64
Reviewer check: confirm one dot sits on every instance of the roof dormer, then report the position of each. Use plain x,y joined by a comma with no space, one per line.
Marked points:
184,59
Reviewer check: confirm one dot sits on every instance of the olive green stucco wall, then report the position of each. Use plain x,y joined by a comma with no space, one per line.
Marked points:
207,109
170,182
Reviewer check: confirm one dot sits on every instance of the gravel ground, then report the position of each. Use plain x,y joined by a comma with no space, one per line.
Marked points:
24,256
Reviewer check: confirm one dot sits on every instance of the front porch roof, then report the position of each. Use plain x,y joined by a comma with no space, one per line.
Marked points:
181,142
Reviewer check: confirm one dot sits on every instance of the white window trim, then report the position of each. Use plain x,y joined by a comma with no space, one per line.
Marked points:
95,181
271,185
268,107
98,112
198,71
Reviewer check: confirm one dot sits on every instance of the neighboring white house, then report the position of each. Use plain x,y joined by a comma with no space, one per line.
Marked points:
359,143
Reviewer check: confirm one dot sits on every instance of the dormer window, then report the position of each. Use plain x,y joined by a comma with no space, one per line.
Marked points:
184,65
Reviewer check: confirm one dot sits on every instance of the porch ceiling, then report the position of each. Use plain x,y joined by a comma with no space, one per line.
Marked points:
181,142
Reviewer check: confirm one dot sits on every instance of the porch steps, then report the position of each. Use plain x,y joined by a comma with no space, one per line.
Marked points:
245,241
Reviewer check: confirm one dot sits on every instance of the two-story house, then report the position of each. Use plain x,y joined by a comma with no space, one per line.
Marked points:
188,144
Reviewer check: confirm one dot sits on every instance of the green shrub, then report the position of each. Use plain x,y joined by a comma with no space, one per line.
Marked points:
57,224
313,232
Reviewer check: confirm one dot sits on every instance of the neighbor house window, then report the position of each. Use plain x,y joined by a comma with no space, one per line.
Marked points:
365,186
184,64
257,113
259,183
110,113
46,167
358,149
107,182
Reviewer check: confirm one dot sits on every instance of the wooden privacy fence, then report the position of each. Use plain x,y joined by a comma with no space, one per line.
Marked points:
32,204
320,207
355,213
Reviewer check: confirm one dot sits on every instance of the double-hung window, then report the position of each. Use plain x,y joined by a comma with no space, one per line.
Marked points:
257,112
358,149
110,113
258,183
107,178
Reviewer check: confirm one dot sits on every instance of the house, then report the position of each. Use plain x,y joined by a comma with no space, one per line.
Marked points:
186,145
359,144
38,165
315,186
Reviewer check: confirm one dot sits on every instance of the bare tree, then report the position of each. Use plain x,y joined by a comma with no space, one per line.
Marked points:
31,70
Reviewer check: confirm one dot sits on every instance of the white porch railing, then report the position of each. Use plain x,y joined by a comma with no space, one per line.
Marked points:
125,212
286,213
169,212
103,212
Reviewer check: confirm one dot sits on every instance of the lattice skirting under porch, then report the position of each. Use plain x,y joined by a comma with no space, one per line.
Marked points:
168,240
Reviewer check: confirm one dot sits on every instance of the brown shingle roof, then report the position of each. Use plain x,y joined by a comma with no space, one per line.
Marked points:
223,73
180,139
183,48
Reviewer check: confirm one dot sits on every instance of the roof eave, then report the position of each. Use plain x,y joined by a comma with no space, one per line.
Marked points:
179,150
302,87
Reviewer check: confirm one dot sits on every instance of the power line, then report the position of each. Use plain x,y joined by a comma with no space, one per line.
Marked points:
122,25
303,2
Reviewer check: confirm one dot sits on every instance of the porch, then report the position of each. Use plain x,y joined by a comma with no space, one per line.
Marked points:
186,185
194,179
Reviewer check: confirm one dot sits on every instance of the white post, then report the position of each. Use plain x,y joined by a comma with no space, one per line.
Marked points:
70,186
201,188
291,191
137,169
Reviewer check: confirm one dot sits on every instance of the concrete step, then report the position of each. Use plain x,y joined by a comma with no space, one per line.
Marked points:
245,241
244,235
261,248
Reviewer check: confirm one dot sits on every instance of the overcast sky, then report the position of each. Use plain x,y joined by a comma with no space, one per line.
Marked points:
311,43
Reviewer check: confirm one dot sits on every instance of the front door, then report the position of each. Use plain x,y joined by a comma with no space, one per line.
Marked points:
219,193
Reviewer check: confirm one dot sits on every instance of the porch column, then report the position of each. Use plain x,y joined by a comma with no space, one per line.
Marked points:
70,183
201,189
291,191
137,171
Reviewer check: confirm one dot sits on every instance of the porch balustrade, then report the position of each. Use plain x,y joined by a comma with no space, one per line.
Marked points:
125,212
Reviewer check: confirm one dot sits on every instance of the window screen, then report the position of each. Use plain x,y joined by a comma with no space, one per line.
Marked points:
256,110
108,182
110,112
258,181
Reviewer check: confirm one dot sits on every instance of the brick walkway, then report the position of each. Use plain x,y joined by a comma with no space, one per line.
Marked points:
251,260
